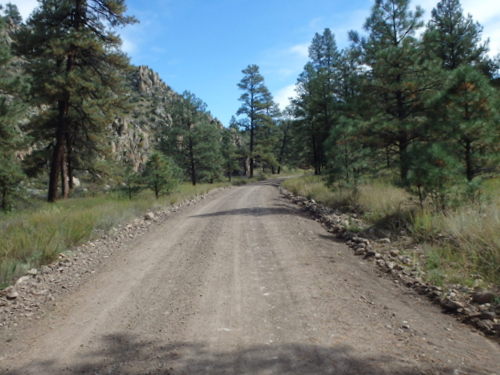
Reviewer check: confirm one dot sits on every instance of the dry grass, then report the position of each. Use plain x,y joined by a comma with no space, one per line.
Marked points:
35,237
460,245
470,235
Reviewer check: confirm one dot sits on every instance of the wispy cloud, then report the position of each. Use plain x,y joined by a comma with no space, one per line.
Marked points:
286,63
282,97
128,46
301,50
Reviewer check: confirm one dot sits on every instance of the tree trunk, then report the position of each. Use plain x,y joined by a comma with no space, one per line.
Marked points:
469,169
404,166
69,165
191,159
64,176
3,203
58,153
251,149
315,155
282,148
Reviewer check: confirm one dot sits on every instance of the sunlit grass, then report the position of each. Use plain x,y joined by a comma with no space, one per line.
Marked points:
33,237
459,244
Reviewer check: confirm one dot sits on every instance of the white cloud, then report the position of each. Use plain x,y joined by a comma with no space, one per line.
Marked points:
25,6
282,97
301,50
128,46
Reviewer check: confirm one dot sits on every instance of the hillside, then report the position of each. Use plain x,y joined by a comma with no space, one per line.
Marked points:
135,134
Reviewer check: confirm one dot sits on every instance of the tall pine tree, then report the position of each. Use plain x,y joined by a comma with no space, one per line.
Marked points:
75,59
256,102
453,37
11,111
193,139
399,77
317,96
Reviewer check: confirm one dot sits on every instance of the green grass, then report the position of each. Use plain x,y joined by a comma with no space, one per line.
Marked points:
34,237
460,245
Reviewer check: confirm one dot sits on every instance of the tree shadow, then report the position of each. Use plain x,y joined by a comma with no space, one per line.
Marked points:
252,211
126,354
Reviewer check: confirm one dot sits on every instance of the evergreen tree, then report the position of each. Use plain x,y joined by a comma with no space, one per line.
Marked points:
347,148
12,15
77,66
434,171
230,151
256,102
207,150
468,112
11,110
454,38
160,174
399,77
132,182
193,140
317,96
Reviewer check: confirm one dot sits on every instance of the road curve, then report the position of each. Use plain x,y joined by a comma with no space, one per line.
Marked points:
244,283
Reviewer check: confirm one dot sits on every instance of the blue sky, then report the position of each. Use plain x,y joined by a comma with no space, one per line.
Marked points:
202,45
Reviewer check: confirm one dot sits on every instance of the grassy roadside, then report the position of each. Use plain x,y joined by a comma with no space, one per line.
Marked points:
34,237
460,246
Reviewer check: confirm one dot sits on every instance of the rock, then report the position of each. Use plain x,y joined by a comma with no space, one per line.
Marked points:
33,272
370,253
405,325
488,315
394,253
483,297
149,216
450,305
11,293
22,280
484,307
385,240
485,325
360,251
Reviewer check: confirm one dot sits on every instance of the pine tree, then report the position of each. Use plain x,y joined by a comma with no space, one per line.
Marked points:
256,101
160,174
11,111
399,77
229,150
77,66
468,112
193,139
317,96
433,172
12,15
207,150
454,38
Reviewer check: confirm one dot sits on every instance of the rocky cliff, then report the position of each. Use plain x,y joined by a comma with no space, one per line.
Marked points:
136,134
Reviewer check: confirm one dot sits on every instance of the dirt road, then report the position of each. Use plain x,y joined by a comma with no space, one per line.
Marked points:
244,284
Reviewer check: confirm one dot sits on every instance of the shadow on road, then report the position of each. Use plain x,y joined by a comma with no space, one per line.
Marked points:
126,354
252,211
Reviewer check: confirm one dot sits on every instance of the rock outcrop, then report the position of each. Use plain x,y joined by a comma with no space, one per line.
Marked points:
137,133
